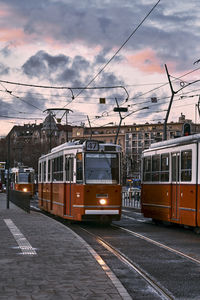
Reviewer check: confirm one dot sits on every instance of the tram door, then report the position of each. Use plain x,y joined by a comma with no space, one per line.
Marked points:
69,167
175,185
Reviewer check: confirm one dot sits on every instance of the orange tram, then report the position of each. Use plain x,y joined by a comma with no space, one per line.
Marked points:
22,179
171,181
81,181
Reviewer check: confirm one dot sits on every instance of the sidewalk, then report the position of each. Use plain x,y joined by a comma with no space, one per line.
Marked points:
41,259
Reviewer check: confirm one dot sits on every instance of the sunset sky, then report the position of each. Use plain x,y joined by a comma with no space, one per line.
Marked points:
51,49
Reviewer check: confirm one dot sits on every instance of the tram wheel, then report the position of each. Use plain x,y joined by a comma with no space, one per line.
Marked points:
197,230
157,222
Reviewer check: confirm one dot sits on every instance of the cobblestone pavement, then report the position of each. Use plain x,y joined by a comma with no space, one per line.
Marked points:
41,259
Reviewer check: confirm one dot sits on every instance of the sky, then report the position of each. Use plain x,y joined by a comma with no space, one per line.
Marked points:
68,54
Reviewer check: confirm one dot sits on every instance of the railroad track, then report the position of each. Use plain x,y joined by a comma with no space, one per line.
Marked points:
112,240
161,291
161,245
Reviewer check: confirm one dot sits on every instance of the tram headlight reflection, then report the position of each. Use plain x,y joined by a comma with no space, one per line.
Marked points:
102,201
25,190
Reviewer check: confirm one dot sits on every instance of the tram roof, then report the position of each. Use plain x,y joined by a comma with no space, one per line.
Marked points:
77,145
175,142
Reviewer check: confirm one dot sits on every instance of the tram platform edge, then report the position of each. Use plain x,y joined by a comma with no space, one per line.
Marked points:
41,258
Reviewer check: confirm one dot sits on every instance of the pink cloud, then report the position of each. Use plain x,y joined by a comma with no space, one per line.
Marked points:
146,61
7,35
4,12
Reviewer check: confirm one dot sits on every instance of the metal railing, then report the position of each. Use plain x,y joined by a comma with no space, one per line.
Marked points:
131,198
21,199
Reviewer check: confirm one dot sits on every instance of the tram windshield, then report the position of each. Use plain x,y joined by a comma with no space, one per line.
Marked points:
101,168
25,178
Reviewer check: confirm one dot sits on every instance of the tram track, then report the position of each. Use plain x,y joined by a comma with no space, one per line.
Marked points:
161,292
107,239
127,258
161,245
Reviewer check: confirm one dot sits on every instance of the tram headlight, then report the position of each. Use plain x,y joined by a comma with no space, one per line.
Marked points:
25,190
102,201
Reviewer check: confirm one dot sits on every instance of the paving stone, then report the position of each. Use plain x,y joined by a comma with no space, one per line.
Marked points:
61,269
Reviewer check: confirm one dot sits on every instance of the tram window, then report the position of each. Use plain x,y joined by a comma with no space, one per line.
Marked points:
79,168
164,167
58,168
49,170
175,167
147,168
186,165
69,163
102,168
40,172
44,171
155,167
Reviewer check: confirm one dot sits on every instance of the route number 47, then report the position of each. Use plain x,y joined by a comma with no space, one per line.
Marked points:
92,146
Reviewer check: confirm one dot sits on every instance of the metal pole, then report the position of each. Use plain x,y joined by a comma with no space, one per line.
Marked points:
50,133
66,126
170,104
118,129
8,174
90,127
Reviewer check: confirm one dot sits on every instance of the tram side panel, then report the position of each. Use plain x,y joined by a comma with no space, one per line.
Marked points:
156,201
198,205
187,206
198,188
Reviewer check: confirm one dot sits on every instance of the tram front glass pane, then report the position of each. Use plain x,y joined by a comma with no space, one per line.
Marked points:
102,168
24,178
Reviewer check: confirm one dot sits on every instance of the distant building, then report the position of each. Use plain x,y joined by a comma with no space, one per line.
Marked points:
29,141
135,138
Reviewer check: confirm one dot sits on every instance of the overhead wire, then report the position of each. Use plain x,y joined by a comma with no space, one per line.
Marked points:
108,62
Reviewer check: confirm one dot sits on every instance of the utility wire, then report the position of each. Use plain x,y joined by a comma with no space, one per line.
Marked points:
103,68
13,117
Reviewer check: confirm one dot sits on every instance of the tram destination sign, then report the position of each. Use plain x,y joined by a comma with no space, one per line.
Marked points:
92,146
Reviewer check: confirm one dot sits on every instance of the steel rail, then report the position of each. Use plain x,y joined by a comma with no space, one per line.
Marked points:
143,237
165,295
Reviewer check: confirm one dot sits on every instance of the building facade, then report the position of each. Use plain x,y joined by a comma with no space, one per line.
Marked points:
135,138
28,142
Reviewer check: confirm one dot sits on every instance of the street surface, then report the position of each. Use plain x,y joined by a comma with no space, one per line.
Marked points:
152,261
168,256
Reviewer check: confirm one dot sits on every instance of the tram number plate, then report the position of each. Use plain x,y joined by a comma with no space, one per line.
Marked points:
92,146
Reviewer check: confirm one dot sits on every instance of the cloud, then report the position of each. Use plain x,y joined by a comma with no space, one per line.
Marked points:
146,61
43,64
107,24
4,70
